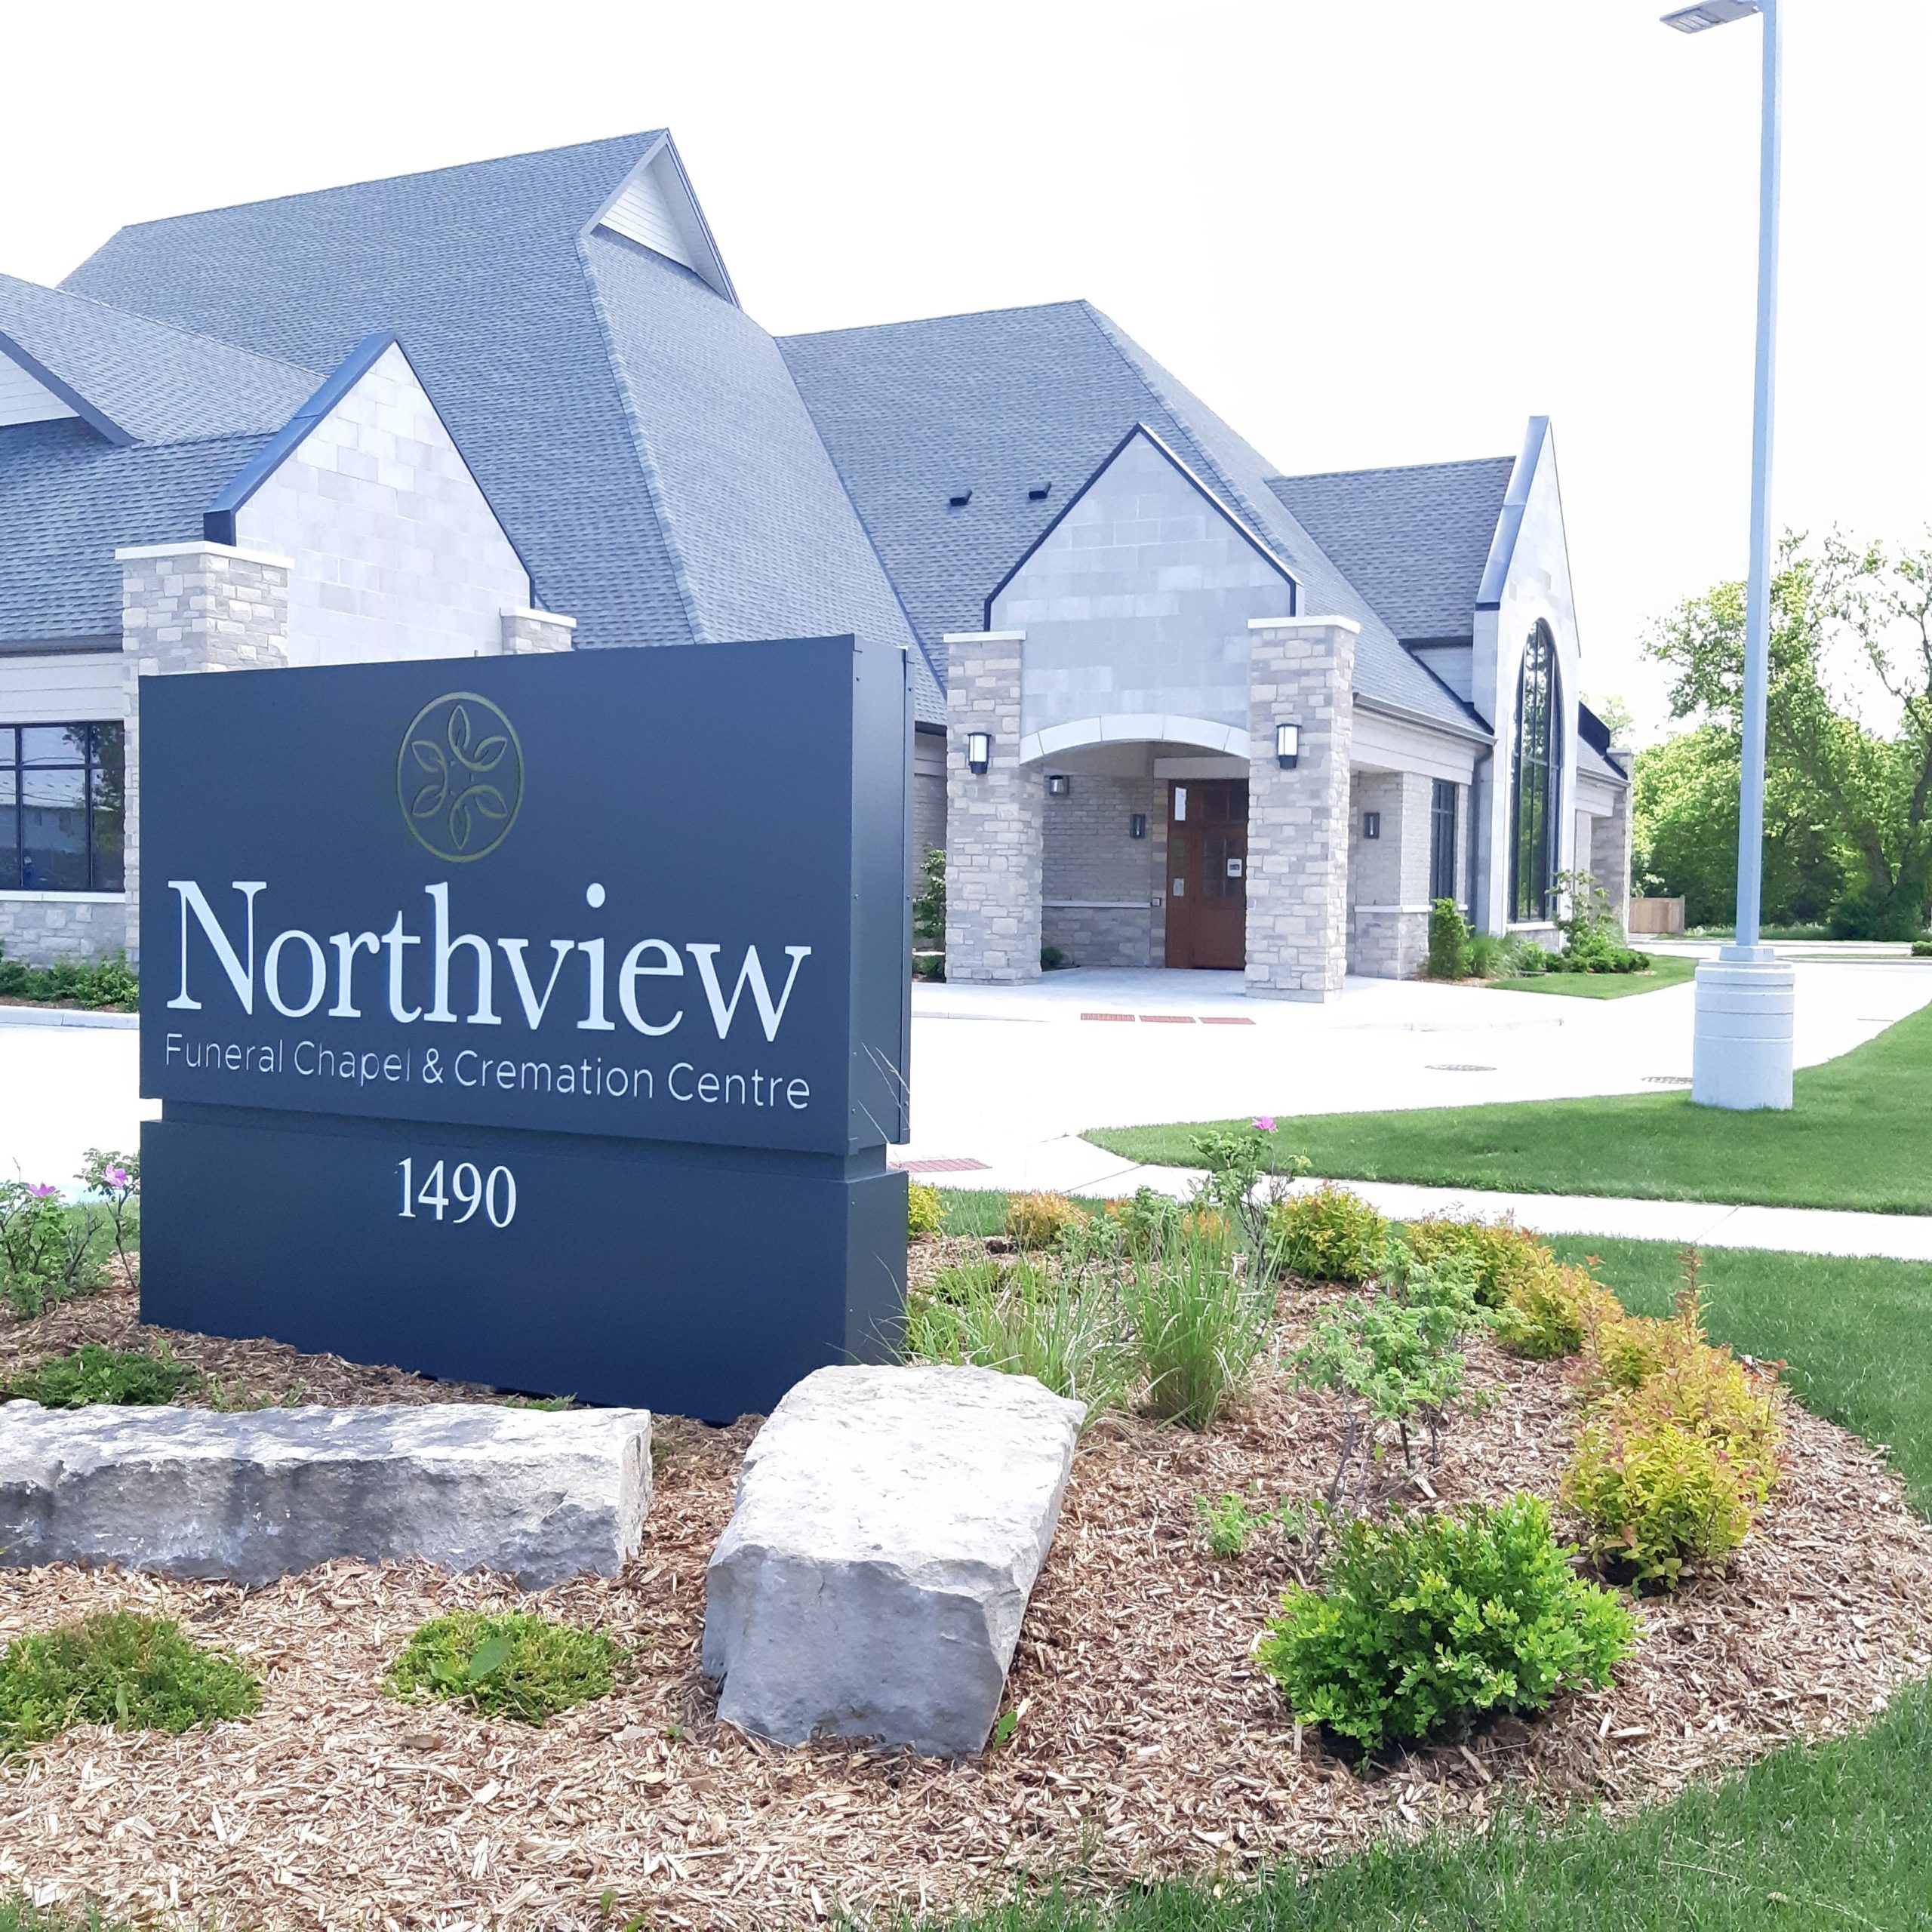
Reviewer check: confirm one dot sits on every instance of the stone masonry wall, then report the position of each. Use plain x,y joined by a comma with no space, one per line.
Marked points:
1609,856
37,928
993,820
189,607
1301,671
1098,882
532,633
1389,876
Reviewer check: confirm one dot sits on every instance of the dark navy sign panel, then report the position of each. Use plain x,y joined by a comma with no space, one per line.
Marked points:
540,1021
693,1284
622,893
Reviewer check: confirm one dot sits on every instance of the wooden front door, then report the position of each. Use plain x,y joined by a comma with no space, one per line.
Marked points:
1208,873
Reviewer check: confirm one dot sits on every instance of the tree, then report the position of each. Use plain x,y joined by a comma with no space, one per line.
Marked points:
1837,611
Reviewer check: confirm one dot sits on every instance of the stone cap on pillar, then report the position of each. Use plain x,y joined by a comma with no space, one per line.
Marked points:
199,546
527,632
983,637
1348,624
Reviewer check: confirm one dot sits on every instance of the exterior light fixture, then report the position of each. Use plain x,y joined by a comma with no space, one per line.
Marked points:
979,751
1059,785
1287,746
1136,824
1371,825
1711,13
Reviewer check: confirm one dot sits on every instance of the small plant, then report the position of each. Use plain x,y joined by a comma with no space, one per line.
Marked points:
1553,1311
929,901
925,1209
137,1673
107,983
1328,1235
1038,1220
125,1378
1051,959
1147,1222
1228,1524
1921,949
1200,1325
1425,1624
1448,941
512,1665
1502,1254
1022,1321
114,1178
1487,956
1237,1160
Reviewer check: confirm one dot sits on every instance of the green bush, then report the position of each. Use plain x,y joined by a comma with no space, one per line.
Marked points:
1147,1222
1552,1312
1199,1328
1921,949
1327,1236
1448,941
1502,1254
128,1378
512,1665
925,1211
137,1673
1488,955
1425,1624
109,984
1038,1220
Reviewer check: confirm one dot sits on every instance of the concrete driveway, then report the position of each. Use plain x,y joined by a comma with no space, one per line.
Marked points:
1005,1077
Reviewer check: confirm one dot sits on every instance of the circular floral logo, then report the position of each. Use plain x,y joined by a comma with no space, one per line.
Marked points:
458,776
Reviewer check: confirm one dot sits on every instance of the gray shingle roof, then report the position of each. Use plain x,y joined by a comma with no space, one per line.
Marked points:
158,384
68,497
1002,401
1413,540
638,435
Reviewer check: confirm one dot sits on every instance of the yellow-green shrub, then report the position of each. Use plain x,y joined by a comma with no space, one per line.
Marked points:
1504,1254
1658,1499
1327,1236
1554,1311
1038,1220
925,1212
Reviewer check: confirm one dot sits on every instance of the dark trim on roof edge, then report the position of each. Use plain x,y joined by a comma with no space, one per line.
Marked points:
1232,517
1515,499
95,418
60,646
1464,642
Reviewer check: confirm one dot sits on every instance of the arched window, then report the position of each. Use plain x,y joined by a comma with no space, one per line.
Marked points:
1537,779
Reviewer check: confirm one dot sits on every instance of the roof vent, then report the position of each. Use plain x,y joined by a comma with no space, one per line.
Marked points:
1037,493
960,498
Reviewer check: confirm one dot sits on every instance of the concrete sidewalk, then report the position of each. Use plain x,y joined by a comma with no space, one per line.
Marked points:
1077,1166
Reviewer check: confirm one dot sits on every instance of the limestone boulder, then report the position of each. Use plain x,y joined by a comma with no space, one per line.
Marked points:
542,1495
889,1525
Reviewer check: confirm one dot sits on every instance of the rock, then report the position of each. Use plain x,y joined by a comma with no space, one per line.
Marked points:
257,1496
889,1524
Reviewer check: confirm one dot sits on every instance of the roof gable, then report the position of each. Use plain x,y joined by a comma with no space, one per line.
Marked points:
655,206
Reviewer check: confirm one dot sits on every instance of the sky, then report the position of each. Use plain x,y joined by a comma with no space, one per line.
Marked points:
1366,231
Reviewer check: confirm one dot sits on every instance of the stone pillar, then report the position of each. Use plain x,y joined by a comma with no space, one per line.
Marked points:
191,607
1610,849
1390,873
992,818
528,633
1300,671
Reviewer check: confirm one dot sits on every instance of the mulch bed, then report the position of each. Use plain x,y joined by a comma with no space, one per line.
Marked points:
1147,1740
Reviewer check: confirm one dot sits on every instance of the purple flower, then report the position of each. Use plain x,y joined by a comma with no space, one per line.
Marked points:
116,1177
1265,1123
40,1190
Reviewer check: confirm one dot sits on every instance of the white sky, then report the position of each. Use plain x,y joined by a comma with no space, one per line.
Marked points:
1365,231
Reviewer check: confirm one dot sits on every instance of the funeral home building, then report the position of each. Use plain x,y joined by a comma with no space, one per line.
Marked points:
1176,706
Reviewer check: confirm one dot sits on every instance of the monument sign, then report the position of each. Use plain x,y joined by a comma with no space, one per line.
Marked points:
538,1021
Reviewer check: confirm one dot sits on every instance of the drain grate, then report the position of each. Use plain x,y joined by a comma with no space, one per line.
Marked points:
1666,1080
1460,1066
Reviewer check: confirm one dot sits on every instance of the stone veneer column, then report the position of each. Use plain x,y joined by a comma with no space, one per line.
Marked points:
1300,671
1609,859
992,819
191,607
528,633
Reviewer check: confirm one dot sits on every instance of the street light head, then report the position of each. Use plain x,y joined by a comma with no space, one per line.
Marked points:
1711,13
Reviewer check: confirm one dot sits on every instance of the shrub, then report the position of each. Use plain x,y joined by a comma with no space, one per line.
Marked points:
1038,1220
1051,959
1328,1235
1199,1326
137,1673
1227,1522
512,1665
1503,1254
1488,955
1553,1311
1022,1321
1148,1222
1425,1624
128,1379
1448,941
89,983
1921,949
1657,1500
925,1211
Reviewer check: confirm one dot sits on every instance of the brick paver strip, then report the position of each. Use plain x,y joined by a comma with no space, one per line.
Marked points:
1167,1019
1224,1020
1128,1016
948,1165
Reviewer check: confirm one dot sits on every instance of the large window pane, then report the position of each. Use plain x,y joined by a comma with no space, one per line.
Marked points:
54,828
10,819
53,744
107,780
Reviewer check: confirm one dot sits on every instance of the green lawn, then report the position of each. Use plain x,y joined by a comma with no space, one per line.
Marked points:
1861,1136
1837,1837
1666,970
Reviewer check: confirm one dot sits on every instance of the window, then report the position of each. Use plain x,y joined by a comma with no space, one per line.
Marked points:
62,805
1442,839
1537,786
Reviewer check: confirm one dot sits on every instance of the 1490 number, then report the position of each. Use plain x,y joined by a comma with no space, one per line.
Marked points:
467,1191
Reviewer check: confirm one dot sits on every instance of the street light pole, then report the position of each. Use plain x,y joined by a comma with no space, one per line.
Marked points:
1741,1055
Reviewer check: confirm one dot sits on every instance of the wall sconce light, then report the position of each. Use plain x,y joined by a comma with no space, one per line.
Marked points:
979,751
1371,825
1136,824
1287,746
1059,785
